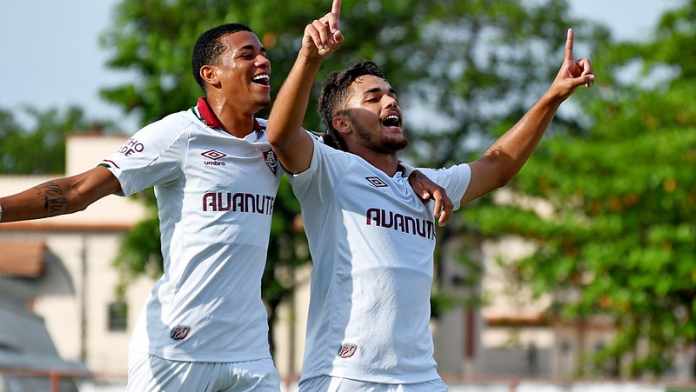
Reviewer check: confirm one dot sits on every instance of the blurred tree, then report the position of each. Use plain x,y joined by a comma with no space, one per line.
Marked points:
44,137
467,65
621,241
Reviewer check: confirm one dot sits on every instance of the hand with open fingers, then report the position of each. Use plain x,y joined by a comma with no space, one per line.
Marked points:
323,36
573,73
428,190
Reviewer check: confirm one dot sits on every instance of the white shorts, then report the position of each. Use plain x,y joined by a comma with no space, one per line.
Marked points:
338,384
149,373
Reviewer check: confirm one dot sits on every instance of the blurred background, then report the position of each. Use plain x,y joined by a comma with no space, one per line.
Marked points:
579,275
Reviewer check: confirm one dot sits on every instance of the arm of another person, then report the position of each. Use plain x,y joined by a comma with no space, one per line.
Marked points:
291,143
61,196
426,190
501,162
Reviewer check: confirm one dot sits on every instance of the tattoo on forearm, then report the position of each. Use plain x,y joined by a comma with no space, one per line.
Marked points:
54,199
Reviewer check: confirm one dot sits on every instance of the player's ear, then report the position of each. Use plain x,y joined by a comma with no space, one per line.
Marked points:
209,73
341,123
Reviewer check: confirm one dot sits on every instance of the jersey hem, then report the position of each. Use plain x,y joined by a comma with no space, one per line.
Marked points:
360,375
207,357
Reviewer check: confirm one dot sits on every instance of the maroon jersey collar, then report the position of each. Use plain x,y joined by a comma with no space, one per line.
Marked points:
210,119
207,115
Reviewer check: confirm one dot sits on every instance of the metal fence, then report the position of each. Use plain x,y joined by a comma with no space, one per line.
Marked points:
25,380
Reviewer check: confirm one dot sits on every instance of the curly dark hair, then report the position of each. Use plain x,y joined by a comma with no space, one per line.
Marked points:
334,92
208,47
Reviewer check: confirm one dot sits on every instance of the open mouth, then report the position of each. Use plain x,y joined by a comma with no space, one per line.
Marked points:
392,120
263,79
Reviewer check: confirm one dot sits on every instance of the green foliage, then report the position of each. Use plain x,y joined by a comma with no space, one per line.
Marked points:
475,63
622,238
44,137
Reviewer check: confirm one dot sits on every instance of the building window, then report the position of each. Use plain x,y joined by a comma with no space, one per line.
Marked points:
118,316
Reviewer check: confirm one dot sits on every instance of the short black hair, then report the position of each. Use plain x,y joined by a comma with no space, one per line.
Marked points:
208,47
334,92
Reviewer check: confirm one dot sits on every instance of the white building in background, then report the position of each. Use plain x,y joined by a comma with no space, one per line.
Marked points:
27,353
505,339
509,336
80,309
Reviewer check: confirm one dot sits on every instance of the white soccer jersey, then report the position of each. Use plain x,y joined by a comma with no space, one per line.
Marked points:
215,195
372,243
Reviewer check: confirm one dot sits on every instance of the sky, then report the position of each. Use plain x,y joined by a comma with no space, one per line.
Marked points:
51,55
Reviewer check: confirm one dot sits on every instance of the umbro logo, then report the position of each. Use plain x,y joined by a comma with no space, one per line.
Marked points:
214,157
214,154
376,182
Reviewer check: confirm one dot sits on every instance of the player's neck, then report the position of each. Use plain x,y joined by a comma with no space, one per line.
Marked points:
386,162
237,122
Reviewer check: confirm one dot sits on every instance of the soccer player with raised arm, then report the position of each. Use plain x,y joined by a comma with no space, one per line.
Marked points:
371,239
204,327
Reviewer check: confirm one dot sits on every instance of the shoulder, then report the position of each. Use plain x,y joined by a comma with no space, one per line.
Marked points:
170,127
321,145
455,179
176,122
459,169
163,134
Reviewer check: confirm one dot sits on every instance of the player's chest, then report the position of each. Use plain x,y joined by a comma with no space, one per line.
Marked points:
375,194
386,224
220,163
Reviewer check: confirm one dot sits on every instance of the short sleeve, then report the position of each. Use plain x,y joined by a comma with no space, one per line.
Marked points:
324,171
152,156
454,179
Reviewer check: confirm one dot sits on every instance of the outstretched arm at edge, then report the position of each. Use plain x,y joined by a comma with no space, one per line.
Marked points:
501,162
60,196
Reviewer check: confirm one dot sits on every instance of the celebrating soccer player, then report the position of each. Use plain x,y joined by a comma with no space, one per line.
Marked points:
371,239
204,327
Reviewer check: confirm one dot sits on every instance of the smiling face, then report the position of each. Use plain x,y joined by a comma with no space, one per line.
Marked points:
242,72
373,115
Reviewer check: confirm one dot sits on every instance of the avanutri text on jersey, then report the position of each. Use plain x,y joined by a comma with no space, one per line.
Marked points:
238,202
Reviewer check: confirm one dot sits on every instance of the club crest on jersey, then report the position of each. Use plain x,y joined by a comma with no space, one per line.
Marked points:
179,332
214,157
376,182
271,161
347,350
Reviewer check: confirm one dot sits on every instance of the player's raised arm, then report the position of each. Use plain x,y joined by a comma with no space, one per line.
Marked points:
61,196
290,142
509,153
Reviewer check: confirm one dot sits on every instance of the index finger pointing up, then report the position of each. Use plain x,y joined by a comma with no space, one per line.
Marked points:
334,16
569,45
336,8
